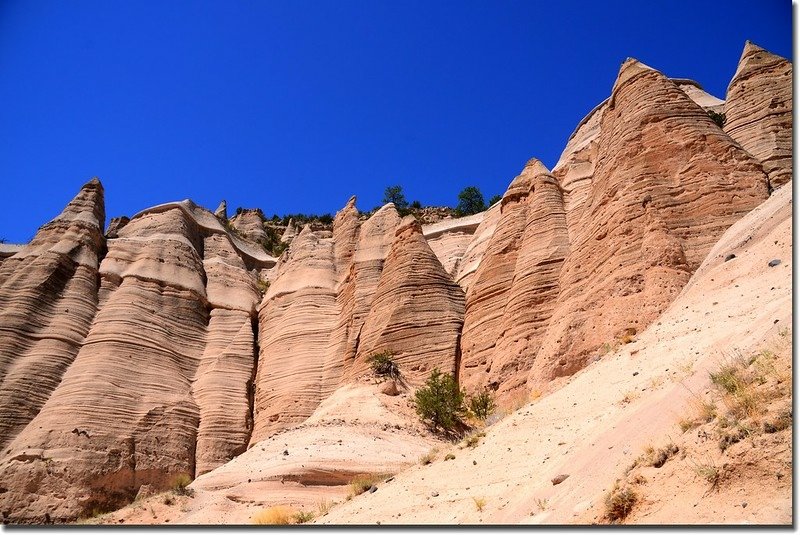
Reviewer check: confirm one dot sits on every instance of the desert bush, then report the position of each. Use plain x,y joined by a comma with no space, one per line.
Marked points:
180,485
278,515
301,517
429,457
440,403
718,118
480,503
619,503
383,366
482,405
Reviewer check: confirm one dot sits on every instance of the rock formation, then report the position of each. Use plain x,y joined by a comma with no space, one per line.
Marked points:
758,111
417,311
222,210
616,246
156,361
175,342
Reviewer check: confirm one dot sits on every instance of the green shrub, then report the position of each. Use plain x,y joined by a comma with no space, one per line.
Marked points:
718,118
440,403
482,405
383,366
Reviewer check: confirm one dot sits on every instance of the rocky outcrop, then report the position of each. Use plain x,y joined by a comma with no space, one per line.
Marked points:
159,383
48,299
758,111
116,225
296,319
250,225
449,239
222,210
667,182
656,183
417,311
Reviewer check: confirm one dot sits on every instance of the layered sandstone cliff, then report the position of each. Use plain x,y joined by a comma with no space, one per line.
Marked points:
175,342
758,110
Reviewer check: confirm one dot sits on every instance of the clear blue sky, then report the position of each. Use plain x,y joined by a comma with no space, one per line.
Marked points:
293,105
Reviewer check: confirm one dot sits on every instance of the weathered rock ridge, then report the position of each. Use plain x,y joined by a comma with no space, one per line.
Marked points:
174,342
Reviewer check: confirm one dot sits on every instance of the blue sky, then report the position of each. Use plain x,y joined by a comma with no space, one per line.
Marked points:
293,106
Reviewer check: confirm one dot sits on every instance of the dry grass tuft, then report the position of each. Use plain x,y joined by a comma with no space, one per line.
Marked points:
480,503
302,517
361,484
278,515
619,503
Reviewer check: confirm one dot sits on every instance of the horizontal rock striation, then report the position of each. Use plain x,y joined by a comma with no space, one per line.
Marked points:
343,296
597,250
48,299
160,381
175,342
758,111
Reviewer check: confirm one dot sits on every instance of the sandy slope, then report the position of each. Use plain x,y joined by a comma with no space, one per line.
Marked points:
603,418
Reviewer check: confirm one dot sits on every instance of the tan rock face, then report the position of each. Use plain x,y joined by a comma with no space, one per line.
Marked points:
657,183
417,311
158,386
250,224
667,183
339,298
758,111
296,319
450,238
48,298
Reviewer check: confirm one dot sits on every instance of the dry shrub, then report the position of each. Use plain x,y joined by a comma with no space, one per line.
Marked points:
620,502
278,515
361,484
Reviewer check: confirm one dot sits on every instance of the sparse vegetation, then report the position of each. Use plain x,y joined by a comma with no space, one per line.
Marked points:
324,506
262,285
383,365
449,457
429,457
302,517
440,403
495,199
180,485
480,503
482,404
278,515
541,503
718,118
361,484
620,502
168,500
657,457
473,440
710,472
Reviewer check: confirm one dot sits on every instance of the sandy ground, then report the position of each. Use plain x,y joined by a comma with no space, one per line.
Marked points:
591,429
